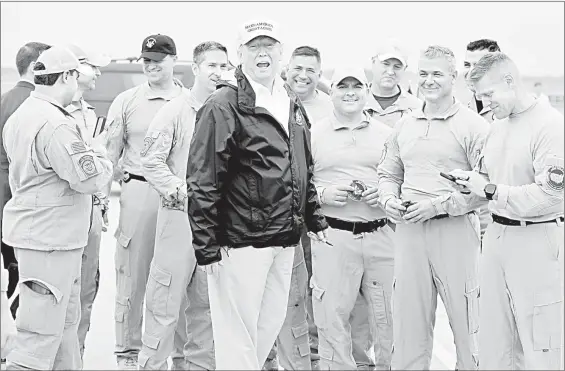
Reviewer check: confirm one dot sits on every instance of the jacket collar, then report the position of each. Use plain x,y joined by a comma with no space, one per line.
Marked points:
419,114
25,84
48,99
246,97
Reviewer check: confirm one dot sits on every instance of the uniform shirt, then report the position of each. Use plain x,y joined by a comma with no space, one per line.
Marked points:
83,115
53,174
420,148
405,104
523,156
129,117
342,154
164,158
277,102
318,107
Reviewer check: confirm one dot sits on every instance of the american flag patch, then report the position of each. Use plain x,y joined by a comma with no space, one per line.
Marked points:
78,147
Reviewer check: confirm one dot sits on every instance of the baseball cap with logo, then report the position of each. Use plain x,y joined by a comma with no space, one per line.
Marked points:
390,49
341,73
96,60
253,29
56,59
157,47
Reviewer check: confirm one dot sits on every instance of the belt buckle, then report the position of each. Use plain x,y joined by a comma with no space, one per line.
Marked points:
126,177
559,222
354,225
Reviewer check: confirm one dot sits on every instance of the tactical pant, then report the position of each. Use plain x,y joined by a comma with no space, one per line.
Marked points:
139,203
248,302
292,345
177,311
522,298
48,318
436,256
355,263
90,275
360,331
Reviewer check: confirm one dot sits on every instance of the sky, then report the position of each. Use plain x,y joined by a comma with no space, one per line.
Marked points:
346,33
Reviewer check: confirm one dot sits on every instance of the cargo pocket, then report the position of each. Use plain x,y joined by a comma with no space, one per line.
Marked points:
45,299
121,256
120,314
378,302
301,332
158,288
472,295
318,306
547,325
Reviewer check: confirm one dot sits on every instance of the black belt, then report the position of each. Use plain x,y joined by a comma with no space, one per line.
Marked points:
356,227
440,216
516,223
128,177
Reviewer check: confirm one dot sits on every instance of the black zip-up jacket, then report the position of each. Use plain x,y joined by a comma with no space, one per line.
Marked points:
249,182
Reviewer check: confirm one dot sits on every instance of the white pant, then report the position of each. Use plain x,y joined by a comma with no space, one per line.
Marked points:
248,301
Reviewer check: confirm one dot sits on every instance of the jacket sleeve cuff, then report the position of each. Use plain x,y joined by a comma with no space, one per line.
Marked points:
502,193
319,225
203,258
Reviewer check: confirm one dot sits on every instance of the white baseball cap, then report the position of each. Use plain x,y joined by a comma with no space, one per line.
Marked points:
341,73
390,49
57,59
94,59
252,29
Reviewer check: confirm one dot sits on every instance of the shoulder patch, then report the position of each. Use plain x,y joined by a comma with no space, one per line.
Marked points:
87,165
555,173
148,142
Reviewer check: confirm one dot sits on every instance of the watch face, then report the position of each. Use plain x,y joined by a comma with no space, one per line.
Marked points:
490,189
358,188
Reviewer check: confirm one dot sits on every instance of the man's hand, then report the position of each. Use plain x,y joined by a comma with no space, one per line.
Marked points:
395,210
321,236
420,212
105,223
371,197
474,182
336,195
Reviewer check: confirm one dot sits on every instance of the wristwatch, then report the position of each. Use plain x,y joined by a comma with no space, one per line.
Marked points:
490,190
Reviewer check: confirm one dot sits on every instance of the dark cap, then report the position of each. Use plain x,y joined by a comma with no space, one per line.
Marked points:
157,47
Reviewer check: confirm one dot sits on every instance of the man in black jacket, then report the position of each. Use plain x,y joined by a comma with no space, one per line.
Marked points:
250,193
9,103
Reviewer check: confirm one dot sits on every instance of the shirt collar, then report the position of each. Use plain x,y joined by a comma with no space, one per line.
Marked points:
48,99
419,113
337,125
195,104
259,89
23,79
397,105
78,105
166,95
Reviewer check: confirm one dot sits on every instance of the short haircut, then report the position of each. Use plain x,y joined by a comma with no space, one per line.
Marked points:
436,51
28,54
198,52
483,44
49,79
485,64
307,51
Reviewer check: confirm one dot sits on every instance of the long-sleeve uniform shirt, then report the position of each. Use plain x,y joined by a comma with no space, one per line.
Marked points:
129,117
404,105
53,174
420,148
523,156
341,155
164,159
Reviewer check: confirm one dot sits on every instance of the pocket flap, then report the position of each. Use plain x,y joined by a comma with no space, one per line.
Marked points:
122,239
304,349
151,341
548,296
317,292
159,275
300,330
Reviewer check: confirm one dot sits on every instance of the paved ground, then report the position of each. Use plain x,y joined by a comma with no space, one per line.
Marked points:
100,339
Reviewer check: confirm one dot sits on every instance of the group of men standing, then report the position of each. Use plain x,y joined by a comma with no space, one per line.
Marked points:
263,219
